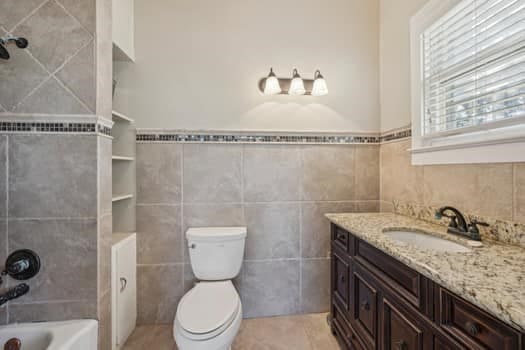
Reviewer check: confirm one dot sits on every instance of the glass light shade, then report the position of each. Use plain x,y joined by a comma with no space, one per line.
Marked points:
320,88
272,86
297,85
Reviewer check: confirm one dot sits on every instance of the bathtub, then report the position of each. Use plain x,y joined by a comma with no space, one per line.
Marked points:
67,335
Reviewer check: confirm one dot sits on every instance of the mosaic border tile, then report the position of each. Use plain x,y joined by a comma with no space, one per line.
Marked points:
179,136
74,125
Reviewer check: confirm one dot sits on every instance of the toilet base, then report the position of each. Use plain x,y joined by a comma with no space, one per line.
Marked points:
222,341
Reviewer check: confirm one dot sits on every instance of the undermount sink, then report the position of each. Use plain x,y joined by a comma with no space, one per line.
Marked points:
426,241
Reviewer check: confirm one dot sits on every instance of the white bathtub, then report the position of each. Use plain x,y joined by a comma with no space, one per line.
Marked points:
67,335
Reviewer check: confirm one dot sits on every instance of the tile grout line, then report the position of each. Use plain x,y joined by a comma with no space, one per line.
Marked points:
92,35
181,217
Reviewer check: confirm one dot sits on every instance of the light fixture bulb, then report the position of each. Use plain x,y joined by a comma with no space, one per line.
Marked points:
297,85
271,85
320,88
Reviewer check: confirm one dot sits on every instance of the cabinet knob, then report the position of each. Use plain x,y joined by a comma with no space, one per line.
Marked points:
472,328
401,345
341,237
365,305
342,278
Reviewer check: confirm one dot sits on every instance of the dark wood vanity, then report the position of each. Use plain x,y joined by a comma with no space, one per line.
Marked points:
378,302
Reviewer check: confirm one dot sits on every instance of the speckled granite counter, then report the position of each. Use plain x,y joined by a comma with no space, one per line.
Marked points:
491,277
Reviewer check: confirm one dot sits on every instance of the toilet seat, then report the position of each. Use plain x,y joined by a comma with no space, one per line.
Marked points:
208,309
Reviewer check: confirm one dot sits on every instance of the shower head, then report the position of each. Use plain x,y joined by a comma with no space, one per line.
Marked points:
21,43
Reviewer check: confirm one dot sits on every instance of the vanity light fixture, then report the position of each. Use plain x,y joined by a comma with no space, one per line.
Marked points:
320,88
272,86
297,85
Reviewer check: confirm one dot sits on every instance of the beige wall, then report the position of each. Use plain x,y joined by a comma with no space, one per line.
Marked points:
395,61
198,64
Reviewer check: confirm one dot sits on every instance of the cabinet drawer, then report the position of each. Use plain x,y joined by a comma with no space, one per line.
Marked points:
399,276
341,238
473,327
340,279
344,330
364,305
399,333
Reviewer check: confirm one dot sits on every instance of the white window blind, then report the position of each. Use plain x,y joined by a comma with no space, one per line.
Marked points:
473,67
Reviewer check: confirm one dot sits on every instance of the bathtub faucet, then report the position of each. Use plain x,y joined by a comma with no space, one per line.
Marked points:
15,292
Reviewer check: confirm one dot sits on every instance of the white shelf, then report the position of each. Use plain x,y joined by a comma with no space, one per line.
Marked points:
121,117
118,237
121,198
122,158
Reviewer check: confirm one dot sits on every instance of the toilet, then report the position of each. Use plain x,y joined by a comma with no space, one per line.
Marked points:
209,315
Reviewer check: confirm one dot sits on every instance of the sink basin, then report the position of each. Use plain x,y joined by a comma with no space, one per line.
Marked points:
67,335
426,241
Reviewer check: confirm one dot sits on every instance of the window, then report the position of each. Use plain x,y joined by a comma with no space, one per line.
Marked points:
468,83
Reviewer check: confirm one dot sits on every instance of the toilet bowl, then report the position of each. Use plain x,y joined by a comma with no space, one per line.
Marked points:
209,315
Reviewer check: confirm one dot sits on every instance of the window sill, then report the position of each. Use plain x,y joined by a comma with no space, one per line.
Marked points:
506,150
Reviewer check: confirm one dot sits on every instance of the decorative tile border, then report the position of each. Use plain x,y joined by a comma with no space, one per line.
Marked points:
50,124
181,136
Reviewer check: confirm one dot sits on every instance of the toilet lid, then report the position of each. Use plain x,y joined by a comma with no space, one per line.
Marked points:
208,306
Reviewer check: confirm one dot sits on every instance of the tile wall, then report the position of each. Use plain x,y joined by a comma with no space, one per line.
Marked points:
280,192
494,193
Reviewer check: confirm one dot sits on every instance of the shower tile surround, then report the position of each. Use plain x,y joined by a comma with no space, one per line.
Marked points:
55,157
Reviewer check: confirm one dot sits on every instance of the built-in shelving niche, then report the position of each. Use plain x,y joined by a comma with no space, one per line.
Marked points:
124,174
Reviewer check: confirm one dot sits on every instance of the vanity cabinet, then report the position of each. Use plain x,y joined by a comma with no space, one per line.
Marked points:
377,302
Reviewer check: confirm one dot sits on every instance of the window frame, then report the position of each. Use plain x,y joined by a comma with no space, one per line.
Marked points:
502,141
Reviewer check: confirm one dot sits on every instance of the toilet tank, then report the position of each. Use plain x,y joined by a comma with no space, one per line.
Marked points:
216,253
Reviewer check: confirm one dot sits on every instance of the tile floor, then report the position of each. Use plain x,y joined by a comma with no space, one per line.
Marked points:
304,332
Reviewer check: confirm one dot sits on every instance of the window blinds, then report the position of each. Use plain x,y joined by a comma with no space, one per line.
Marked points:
474,66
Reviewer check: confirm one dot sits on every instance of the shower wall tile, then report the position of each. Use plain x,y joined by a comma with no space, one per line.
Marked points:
19,76
212,173
51,95
84,11
272,173
159,173
13,11
328,173
47,28
78,75
4,249
3,176
53,311
203,215
52,176
68,252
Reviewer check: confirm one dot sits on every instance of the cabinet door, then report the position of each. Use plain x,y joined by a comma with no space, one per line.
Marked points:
400,333
340,279
127,289
363,305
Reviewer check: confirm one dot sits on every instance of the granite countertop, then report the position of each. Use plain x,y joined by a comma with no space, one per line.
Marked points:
491,277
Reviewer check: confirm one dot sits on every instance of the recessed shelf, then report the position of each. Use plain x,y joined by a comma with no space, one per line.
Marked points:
121,117
121,198
122,158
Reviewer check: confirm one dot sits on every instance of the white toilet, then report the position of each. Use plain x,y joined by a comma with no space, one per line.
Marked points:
209,315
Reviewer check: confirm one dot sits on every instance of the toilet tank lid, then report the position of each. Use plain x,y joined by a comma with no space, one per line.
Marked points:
216,233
